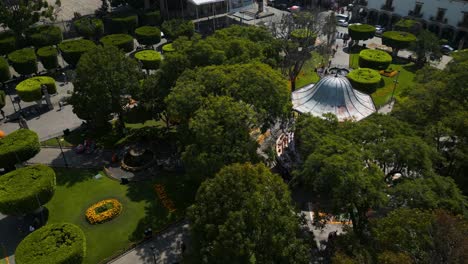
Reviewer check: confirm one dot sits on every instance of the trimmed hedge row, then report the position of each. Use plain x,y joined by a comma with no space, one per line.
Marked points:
26,189
361,31
397,39
58,243
149,58
24,61
89,27
20,145
374,59
148,35
44,35
48,56
121,41
168,48
124,24
5,74
73,49
7,42
30,89
364,79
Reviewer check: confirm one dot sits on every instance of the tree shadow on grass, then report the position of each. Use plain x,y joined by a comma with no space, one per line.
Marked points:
68,177
411,67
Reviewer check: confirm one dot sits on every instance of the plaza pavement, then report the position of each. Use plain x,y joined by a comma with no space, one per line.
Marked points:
69,7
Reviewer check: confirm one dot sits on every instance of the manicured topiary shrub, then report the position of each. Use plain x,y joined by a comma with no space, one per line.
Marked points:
408,25
30,90
121,41
89,27
58,243
122,24
365,79
73,49
7,42
152,18
5,74
374,59
397,40
26,189
361,31
302,35
44,36
175,28
48,56
24,61
168,48
149,58
18,146
148,35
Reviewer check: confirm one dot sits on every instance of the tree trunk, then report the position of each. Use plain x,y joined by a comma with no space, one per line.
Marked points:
293,84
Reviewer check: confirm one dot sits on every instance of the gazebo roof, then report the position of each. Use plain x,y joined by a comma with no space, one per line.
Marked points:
333,94
204,2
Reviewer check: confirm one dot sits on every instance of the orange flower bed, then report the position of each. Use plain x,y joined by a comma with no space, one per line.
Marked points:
103,211
166,201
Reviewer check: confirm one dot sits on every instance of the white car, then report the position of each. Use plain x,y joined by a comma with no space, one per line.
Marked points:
342,23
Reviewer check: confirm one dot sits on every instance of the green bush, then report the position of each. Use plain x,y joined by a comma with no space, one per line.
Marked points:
152,18
374,59
24,61
149,58
361,31
26,189
89,27
5,74
30,90
122,24
73,49
365,79
178,27
168,48
44,35
397,39
121,41
58,243
48,56
7,42
148,35
20,145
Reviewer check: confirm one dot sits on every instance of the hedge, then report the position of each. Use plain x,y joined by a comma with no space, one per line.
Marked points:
57,243
89,27
397,39
168,48
365,79
44,35
73,49
374,59
7,42
5,74
48,56
26,189
148,35
149,58
152,18
125,24
20,145
121,41
24,61
361,31
30,89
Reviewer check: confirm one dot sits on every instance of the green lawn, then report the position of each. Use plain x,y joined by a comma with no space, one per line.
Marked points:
308,74
78,189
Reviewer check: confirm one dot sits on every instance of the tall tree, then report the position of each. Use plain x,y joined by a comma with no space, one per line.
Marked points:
427,44
244,215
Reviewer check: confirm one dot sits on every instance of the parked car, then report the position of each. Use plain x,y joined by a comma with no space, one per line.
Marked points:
341,17
342,23
446,49
379,30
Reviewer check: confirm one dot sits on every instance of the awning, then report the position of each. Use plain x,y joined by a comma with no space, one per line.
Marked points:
204,2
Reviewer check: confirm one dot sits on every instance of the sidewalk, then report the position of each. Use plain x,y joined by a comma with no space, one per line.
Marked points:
53,157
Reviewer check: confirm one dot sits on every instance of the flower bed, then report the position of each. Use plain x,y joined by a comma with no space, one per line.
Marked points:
103,211
162,195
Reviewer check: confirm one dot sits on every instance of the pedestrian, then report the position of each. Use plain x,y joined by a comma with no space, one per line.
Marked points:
329,63
60,105
64,75
3,114
336,46
333,54
31,228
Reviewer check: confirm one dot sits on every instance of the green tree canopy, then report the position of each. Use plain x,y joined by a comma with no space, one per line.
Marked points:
244,215
426,45
175,28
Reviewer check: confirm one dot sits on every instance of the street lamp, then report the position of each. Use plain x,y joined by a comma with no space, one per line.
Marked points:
395,85
61,150
153,252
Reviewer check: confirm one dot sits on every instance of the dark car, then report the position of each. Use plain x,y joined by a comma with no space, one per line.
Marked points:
379,30
446,49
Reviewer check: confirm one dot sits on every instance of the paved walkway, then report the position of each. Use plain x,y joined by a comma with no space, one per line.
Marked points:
167,248
53,157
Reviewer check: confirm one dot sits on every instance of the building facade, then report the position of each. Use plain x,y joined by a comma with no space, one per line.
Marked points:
448,19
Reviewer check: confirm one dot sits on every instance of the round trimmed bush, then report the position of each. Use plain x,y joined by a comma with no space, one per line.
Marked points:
121,41
149,58
361,31
148,35
152,18
5,74
7,42
123,24
168,48
19,145
73,49
48,56
89,27
374,59
365,79
30,90
397,39
26,189
24,61
58,243
44,36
